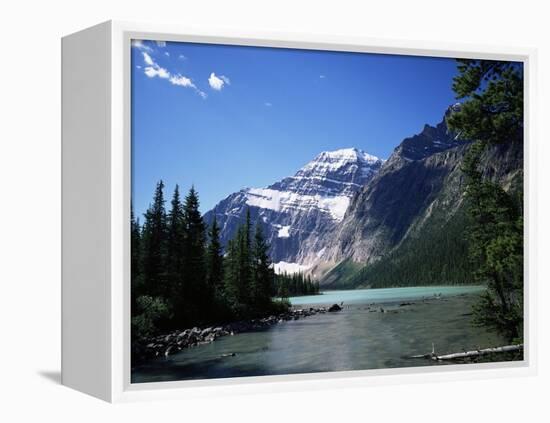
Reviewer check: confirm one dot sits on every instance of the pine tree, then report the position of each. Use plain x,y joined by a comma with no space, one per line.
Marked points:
199,297
135,265
175,258
231,274
154,246
263,272
493,114
215,260
244,283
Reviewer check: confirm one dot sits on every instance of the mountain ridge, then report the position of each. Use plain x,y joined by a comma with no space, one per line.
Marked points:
296,209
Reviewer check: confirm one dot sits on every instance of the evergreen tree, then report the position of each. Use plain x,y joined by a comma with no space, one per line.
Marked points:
187,281
175,258
154,246
135,265
496,248
215,260
263,272
231,274
198,295
493,110
493,114
245,281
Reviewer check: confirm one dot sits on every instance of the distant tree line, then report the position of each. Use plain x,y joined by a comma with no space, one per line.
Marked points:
438,256
182,276
294,285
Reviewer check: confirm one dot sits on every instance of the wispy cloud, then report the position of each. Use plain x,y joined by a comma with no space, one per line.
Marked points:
268,104
167,54
322,76
217,82
151,72
148,59
139,45
182,81
153,69
182,57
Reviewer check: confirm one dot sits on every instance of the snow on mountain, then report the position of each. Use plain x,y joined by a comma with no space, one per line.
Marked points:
286,201
296,211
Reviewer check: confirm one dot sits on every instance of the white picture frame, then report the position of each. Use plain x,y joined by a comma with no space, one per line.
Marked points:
96,226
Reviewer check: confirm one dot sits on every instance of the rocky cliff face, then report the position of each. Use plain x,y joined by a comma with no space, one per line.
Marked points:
298,211
417,191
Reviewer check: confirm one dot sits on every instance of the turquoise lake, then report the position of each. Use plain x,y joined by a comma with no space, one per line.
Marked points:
377,328
362,296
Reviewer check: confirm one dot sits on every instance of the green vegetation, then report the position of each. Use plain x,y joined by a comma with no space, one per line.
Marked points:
182,278
343,275
294,285
493,114
438,255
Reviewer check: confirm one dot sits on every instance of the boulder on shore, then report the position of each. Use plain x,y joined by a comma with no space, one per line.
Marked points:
334,307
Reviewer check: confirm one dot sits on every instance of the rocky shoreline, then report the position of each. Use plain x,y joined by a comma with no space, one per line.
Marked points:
173,342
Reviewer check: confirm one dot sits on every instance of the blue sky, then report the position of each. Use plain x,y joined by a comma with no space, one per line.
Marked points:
228,117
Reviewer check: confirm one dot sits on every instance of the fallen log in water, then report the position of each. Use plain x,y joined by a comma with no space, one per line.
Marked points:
478,353
469,354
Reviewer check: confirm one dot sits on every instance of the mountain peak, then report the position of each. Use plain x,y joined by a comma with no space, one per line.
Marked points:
335,159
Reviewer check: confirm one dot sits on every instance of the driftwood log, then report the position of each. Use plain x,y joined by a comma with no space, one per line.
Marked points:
469,354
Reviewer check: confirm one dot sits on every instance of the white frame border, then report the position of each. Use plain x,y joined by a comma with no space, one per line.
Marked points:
121,388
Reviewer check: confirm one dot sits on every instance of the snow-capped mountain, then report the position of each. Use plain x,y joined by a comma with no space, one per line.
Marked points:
296,211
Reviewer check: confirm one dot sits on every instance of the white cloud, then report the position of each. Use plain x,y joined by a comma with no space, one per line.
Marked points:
322,76
161,43
167,54
217,82
182,57
268,104
182,81
139,45
153,69
147,59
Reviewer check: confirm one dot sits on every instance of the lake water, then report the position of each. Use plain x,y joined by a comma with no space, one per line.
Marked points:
357,338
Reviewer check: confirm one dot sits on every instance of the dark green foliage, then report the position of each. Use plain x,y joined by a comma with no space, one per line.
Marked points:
493,114
181,278
136,255
438,255
149,310
214,256
294,285
175,267
198,295
495,234
239,271
263,274
154,246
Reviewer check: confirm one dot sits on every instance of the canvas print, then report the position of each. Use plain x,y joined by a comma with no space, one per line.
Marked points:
302,211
